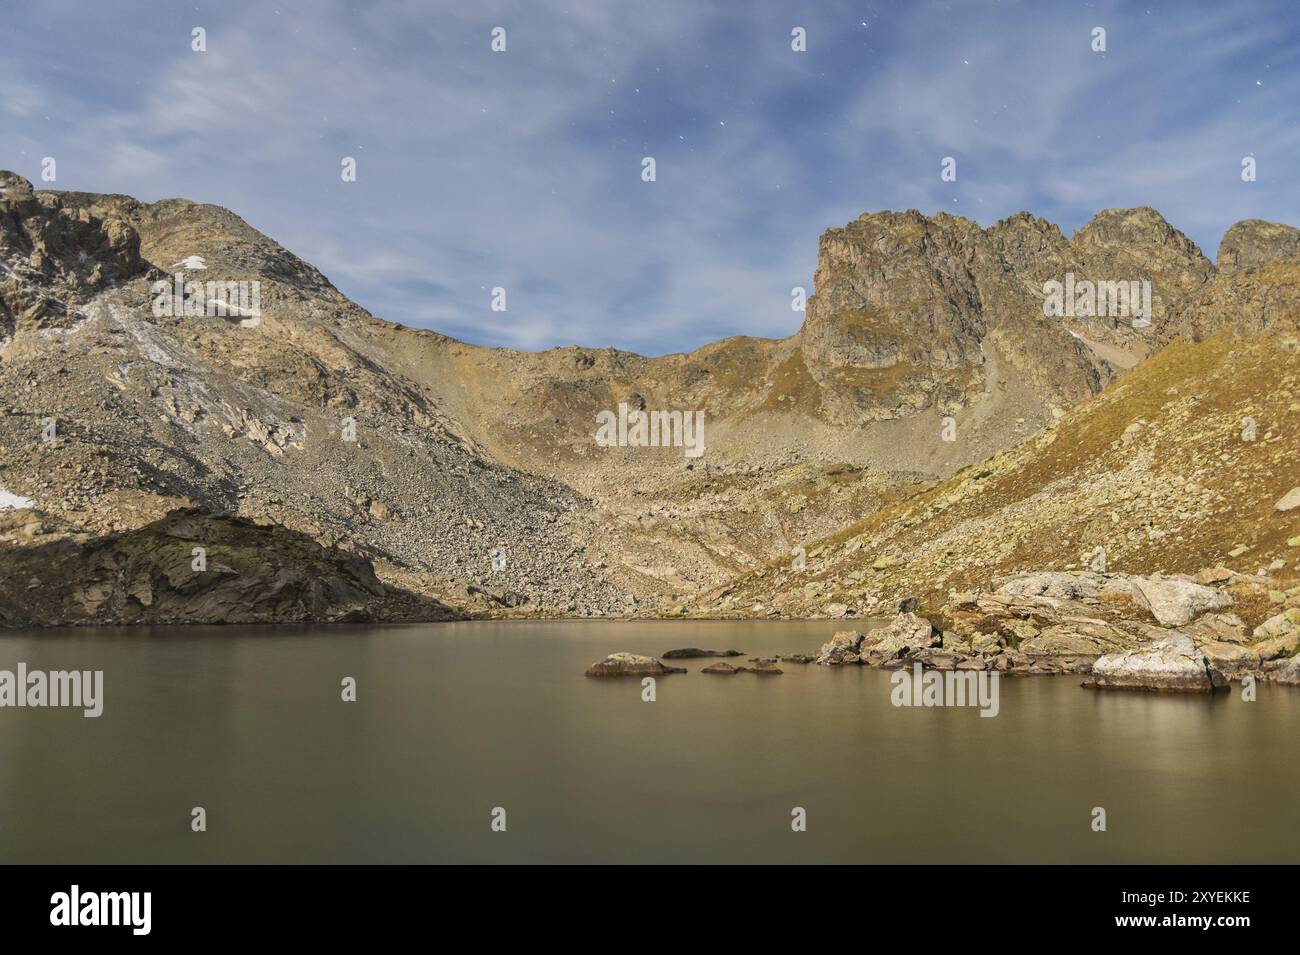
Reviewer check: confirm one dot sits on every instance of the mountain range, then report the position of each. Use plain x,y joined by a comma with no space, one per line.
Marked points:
929,429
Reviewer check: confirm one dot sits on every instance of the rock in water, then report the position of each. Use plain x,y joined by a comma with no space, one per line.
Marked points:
693,653
1173,663
1288,673
723,669
1174,602
764,666
907,634
630,664
842,648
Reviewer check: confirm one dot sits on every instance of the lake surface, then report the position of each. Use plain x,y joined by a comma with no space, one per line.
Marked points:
454,720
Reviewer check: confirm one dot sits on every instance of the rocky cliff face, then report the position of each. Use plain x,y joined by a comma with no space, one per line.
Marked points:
470,476
1255,289
914,313
55,257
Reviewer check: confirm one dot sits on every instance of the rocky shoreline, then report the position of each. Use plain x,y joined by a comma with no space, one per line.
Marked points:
1172,633
1177,633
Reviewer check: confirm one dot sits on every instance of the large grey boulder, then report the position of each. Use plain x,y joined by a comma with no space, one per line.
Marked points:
1175,602
1172,663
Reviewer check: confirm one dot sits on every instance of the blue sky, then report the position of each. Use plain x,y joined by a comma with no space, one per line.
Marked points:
523,169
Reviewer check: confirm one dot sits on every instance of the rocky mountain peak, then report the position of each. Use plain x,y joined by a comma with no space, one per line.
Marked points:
912,312
1252,242
1141,225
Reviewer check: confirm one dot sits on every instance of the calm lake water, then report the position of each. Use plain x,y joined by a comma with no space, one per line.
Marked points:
453,720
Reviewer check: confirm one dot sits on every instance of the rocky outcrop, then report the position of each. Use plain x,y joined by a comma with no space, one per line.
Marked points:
191,568
630,664
1063,622
1289,501
1230,661
1173,663
54,258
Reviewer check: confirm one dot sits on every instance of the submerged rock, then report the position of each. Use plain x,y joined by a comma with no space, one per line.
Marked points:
693,653
764,666
630,664
1173,663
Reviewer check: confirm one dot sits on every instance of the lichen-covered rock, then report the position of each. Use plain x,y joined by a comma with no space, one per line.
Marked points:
630,664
